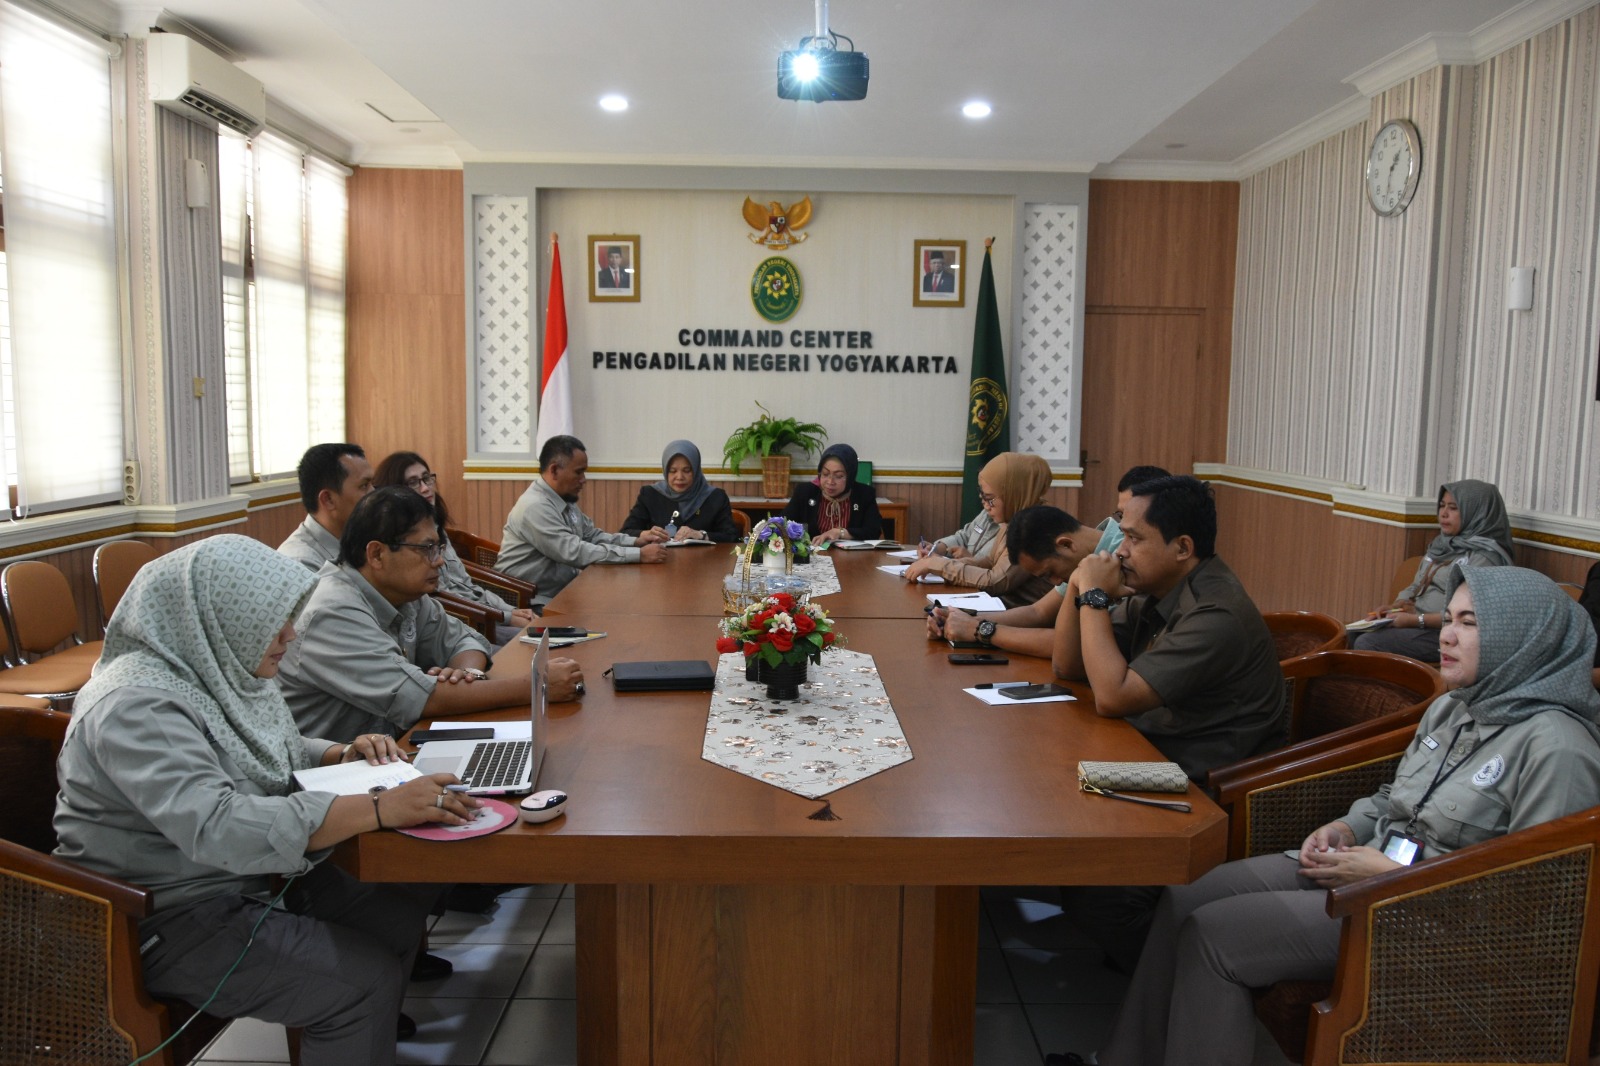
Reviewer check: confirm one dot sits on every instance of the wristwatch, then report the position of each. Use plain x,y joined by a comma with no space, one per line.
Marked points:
1095,598
986,630
474,673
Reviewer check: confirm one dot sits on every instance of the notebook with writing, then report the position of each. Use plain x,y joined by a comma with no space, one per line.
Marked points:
493,767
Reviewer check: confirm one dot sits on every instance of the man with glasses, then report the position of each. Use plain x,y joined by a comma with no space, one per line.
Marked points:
333,478
376,653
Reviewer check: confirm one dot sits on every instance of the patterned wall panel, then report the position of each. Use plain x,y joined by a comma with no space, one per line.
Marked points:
1380,351
503,348
1524,391
1045,408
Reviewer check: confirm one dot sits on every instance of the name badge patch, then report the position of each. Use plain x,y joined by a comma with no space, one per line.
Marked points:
1489,772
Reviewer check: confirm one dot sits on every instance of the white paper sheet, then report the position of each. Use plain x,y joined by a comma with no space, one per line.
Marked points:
520,730
971,601
900,572
354,778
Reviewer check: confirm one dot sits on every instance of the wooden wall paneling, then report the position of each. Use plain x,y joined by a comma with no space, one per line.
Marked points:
405,231
1157,248
1141,372
1298,555
405,370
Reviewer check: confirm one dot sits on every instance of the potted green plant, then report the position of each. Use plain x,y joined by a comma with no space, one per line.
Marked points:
767,438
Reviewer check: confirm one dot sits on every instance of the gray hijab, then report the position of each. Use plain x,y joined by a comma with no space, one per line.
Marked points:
689,500
196,622
1535,648
1485,526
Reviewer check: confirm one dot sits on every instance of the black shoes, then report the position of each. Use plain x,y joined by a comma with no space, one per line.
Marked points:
430,968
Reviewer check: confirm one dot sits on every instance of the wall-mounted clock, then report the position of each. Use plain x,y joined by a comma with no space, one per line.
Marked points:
1394,164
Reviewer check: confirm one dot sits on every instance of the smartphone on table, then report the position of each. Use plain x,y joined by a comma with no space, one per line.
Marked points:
1033,692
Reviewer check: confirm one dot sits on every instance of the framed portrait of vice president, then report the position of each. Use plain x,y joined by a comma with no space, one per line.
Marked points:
937,277
613,267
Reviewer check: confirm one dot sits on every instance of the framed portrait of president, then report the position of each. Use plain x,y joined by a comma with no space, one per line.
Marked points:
937,279
613,267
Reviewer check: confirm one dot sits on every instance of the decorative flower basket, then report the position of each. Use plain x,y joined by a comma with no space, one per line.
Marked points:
781,637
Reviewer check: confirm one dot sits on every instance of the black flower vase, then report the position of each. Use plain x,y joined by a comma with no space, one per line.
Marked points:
752,668
784,680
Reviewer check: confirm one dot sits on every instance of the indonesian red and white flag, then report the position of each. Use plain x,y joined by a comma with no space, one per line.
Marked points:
555,371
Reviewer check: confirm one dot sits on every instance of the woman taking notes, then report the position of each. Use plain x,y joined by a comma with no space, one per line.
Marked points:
1473,531
1008,483
682,504
836,506
175,775
1511,745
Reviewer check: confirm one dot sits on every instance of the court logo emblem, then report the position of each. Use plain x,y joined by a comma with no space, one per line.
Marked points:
775,289
986,406
1489,772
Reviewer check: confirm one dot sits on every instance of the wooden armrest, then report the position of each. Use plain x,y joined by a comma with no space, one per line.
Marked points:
485,620
125,898
1225,777
1487,954
1275,807
1577,830
513,590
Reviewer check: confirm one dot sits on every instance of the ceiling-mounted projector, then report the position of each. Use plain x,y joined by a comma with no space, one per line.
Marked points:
818,71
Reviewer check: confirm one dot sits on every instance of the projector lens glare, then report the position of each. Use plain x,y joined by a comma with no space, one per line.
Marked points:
806,67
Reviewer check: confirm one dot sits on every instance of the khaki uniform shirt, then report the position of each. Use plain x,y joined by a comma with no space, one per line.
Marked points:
548,541
1205,650
147,796
360,664
1502,778
311,545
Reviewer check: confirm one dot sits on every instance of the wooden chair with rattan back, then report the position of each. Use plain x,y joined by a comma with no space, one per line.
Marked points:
479,555
115,564
1396,998
1337,697
1297,633
742,520
483,620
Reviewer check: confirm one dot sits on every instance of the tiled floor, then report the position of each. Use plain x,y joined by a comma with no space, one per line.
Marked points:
1041,987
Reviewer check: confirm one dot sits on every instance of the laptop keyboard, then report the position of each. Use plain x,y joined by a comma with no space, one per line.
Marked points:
496,764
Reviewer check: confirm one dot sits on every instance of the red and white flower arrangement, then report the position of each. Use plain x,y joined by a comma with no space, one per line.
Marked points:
776,629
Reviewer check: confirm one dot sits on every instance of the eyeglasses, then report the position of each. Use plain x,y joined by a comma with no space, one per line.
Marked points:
986,499
415,483
432,551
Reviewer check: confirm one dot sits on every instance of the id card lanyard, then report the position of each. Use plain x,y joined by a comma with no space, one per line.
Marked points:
1447,768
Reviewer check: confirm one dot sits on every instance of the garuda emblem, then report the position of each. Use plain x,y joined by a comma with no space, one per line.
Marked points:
777,227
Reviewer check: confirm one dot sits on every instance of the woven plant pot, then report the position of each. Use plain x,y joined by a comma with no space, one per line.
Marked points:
775,477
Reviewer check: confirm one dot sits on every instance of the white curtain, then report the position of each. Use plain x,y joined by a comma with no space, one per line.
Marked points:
61,258
283,290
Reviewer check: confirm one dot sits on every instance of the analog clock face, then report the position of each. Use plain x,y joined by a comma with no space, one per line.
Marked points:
1393,166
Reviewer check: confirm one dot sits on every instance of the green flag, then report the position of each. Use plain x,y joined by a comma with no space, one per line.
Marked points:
988,410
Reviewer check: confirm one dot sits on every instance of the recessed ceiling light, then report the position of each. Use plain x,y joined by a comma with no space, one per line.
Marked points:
614,102
976,109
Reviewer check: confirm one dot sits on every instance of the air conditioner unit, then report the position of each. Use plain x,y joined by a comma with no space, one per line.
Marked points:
194,81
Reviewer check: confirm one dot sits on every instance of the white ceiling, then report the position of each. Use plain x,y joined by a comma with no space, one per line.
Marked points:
1146,87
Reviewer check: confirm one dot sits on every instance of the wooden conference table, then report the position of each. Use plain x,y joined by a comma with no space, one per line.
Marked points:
718,923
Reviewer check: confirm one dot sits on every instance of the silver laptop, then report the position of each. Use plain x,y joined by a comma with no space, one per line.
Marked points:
494,767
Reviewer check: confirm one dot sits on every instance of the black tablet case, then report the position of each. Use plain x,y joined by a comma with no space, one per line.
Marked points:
676,675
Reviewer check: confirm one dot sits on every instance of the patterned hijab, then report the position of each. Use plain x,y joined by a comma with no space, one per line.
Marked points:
1019,479
1485,526
689,500
196,623
1535,648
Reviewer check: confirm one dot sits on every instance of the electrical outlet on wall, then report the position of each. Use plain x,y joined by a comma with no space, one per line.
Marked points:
130,481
